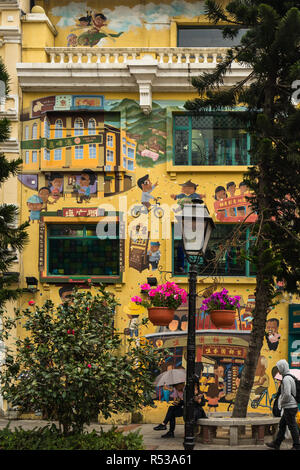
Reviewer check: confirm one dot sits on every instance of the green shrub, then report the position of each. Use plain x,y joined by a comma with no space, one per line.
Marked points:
50,438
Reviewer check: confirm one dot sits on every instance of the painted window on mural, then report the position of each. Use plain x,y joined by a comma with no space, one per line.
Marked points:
47,129
34,156
27,157
92,126
26,133
34,131
109,155
229,264
75,250
92,151
58,129
79,152
57,154
47,155
205,36
210,139
110,140
78,126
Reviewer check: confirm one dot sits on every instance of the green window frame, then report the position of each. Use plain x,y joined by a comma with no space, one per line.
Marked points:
74,250
210,139
229,265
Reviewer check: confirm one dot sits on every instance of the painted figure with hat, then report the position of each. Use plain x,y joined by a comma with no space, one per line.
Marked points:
154,255
134,311
188,191
147,187
35,205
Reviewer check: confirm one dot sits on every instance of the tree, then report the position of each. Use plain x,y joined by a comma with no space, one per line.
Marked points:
12,236
271,47
69,364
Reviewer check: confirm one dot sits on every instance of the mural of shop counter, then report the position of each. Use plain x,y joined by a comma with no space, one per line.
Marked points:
220,356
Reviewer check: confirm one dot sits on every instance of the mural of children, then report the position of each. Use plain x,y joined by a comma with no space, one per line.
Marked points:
154,255
188,191
220,195
56,185
147,187
134,312
98,20
212,396
35,204
44,194
231,188
272,335
65,293
87,179
72,40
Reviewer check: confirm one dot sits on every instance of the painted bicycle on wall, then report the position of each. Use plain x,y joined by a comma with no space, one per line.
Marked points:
139,209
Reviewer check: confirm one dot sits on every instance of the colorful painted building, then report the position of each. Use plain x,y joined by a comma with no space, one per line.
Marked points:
105,138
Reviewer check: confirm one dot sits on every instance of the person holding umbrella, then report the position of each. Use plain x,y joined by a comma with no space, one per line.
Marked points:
176,410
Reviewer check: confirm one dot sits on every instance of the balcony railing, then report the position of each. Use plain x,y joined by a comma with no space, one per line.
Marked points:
160,55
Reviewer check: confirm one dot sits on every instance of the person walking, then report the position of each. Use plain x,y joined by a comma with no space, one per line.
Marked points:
288,405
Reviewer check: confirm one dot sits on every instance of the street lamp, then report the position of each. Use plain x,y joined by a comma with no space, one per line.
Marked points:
196,226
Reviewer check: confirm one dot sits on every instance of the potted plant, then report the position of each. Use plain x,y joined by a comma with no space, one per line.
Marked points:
162,301
221,308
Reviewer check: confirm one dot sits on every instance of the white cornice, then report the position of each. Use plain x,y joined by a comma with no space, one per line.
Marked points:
143,70
10,146
10,35
39,18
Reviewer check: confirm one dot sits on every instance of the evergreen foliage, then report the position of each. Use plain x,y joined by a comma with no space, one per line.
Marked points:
69,364
271,50
13,237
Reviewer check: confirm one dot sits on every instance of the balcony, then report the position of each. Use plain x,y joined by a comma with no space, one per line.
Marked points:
143,70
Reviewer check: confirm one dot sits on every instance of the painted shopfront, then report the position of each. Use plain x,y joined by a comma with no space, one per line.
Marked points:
96,161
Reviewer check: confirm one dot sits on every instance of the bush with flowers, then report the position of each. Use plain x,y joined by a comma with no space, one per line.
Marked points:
167,295
221,301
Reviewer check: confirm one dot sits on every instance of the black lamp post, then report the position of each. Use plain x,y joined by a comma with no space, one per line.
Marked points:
196,226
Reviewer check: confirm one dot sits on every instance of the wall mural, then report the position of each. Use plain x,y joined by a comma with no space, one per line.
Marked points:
87,25
131,150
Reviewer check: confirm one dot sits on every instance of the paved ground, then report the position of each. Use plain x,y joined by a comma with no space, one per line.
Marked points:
152,439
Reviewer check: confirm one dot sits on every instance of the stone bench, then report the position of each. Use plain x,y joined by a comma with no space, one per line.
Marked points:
259,424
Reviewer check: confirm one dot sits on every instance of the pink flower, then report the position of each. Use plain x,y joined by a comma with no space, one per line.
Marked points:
145,286
89,366
31,302
136,299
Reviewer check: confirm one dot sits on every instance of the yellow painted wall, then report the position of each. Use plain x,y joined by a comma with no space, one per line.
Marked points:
144,28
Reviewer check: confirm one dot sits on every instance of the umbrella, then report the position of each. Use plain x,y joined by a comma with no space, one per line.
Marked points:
171,377
295,372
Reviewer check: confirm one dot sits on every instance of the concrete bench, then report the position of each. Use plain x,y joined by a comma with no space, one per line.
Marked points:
258,422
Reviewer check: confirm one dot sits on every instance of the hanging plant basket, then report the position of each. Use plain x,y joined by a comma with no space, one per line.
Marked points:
160,316
223,318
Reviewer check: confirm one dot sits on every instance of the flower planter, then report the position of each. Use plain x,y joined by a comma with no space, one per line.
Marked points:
223,318
160,316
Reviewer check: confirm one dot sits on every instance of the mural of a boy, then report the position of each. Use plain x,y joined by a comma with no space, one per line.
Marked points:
188,191
87,179
154,255
147,187
35,205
